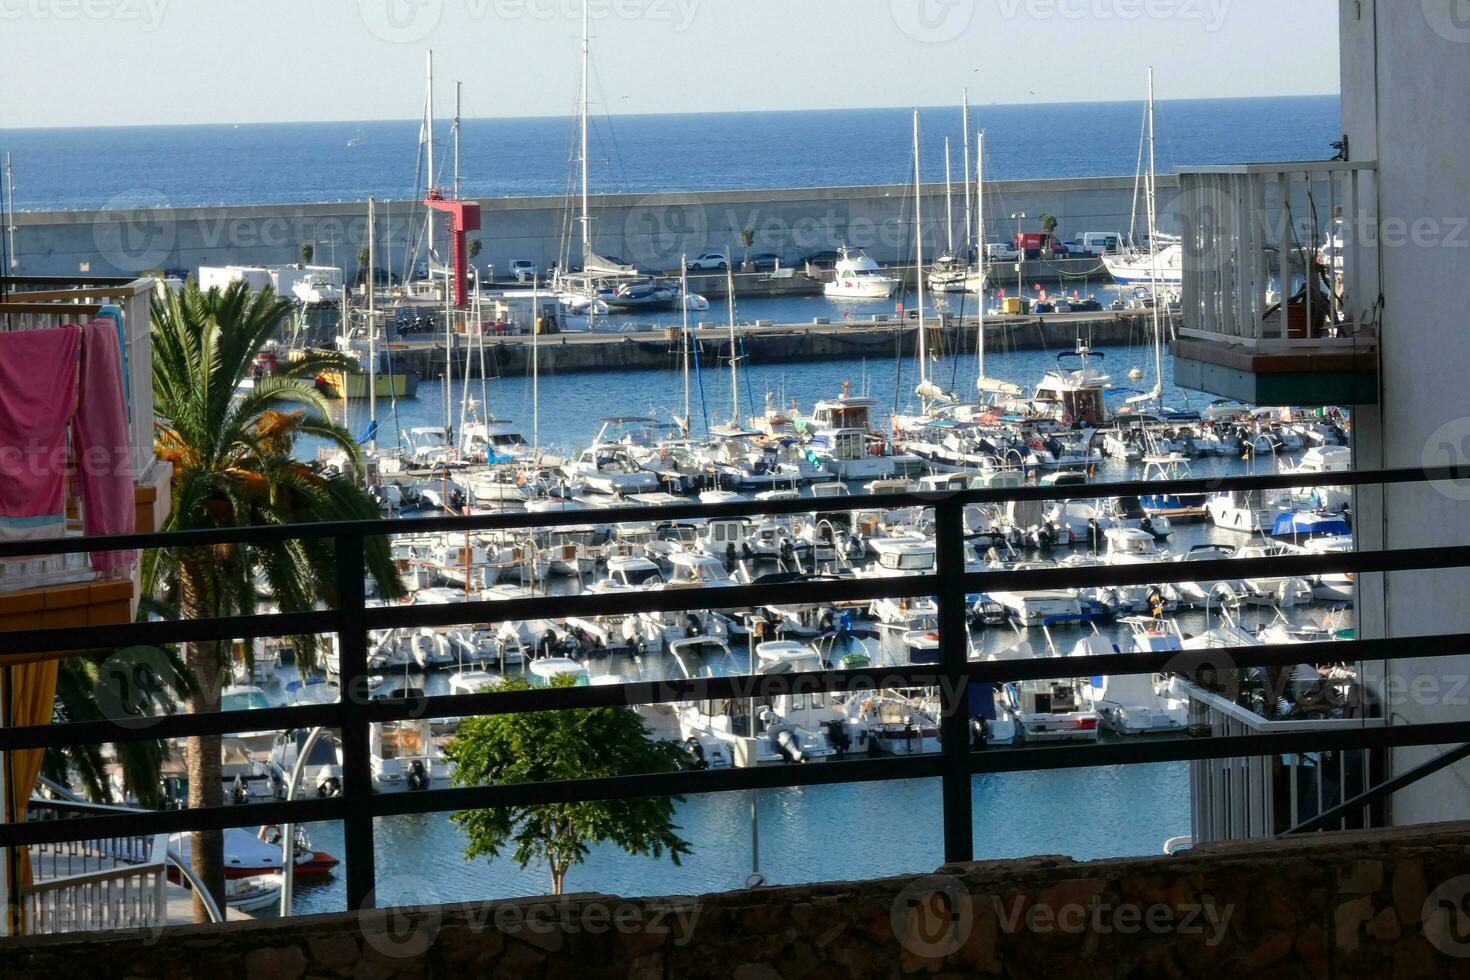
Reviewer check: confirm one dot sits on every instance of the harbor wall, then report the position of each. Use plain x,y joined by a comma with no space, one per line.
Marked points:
778,344
1325,905
651,230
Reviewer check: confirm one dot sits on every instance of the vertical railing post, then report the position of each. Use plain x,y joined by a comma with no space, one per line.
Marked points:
357,785
954,728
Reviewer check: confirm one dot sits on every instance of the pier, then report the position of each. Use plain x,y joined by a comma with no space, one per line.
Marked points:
761,343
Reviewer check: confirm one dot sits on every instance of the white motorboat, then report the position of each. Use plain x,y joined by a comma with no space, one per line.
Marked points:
1162,262
317,289
405,757
859,277
894,725
611,469
1049,710
902,557
1136,704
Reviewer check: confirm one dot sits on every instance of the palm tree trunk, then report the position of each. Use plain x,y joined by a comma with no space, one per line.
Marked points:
202,754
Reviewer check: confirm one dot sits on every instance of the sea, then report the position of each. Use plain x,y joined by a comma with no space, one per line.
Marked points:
808,834
223,163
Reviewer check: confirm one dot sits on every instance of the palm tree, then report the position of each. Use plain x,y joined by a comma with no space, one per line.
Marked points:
233,467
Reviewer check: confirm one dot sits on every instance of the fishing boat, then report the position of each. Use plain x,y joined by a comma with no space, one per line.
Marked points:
1158,262
1137,704
858,277
1052,710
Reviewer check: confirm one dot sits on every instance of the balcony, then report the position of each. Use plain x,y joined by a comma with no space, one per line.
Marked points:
1280,283
63,589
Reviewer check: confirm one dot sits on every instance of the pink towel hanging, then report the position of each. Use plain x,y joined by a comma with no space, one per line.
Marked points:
102,450
38,388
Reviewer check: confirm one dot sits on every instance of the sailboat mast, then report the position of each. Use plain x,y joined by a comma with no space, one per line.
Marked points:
965,116
919,255
734,356
980,257
429,138
948,202
584,110
458,92
684,300
1153,247
372,322
535,373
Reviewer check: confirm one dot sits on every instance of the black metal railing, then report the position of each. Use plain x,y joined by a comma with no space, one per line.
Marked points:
957,762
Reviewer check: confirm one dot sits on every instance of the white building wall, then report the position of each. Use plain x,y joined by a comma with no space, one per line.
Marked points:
1405,75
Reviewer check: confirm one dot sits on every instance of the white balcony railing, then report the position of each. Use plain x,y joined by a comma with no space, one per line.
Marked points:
1280,256
97,885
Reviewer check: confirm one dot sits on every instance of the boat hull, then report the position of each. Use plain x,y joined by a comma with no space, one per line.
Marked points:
334,384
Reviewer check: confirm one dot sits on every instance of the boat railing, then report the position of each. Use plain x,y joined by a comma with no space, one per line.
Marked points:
1358,801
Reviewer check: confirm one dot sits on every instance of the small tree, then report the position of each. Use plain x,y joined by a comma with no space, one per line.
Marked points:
551,745
475,247
364,274
1048,225
308,251
747,239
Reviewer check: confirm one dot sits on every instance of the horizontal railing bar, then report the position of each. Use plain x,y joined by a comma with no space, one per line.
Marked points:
998,671
588,604
166,631
1021,759
834,590
146,823
740,509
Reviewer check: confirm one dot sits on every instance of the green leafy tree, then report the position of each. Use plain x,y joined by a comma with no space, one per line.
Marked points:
544,746
233,467
475,247
307,251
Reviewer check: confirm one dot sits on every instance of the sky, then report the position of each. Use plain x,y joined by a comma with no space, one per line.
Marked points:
140,62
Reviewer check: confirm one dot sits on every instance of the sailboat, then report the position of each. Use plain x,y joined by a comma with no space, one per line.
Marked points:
604,283
929,393
995,389
1155,279
1160,261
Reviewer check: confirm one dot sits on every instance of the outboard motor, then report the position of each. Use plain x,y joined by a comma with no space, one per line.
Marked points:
695,748
979,737
238,792
838,736
692,627
788,552
331,786
789,746
418,776
730,557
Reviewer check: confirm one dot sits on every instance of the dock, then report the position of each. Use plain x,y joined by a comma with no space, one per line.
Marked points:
883,336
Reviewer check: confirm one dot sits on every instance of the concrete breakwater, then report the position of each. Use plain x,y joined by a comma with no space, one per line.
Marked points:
141,232
784,343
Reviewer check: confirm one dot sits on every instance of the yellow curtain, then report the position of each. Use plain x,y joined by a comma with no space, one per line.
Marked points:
32,697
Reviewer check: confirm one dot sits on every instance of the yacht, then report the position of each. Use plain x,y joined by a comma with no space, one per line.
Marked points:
894,725
405,757
317,289
859,277
1076,386
493,441
1175,507
610,468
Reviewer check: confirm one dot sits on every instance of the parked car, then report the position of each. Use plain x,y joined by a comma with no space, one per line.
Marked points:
710,261
765,261
524,270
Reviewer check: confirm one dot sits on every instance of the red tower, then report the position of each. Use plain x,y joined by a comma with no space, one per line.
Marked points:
464,217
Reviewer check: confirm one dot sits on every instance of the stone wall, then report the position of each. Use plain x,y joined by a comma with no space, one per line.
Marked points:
1393,904
650,230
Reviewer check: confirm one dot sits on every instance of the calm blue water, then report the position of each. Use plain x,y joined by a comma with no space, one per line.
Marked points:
572,403
308,162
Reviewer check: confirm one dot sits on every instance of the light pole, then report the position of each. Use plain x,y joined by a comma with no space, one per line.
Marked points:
1018,217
